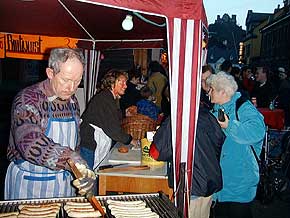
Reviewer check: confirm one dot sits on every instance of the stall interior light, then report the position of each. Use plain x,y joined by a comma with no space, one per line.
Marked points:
127,23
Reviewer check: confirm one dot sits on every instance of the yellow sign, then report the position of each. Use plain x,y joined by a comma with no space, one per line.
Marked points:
32,46
2,46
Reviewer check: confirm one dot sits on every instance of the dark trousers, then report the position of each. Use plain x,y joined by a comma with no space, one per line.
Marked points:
232,210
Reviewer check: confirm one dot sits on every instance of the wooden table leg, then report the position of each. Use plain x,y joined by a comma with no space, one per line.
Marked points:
102,185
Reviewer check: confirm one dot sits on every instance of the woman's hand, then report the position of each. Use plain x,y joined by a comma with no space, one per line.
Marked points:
135,143
225,123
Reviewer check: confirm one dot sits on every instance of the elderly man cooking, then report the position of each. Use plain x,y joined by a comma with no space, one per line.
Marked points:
45,133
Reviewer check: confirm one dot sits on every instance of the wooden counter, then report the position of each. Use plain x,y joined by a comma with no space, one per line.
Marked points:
139,181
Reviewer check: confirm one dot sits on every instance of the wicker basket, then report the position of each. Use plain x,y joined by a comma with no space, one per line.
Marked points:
137,125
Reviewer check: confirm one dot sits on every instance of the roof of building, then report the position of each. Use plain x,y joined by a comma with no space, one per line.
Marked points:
254,17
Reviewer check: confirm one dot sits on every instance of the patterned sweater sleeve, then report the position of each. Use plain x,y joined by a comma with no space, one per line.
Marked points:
27,137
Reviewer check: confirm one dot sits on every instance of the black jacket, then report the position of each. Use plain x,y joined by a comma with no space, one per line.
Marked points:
102,111
206,172
264,94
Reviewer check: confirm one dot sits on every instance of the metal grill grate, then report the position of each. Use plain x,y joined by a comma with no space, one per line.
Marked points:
157,202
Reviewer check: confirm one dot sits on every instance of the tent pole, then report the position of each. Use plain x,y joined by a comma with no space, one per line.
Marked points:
181,192
76,20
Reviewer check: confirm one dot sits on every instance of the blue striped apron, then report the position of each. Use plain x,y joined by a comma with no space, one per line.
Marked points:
25,180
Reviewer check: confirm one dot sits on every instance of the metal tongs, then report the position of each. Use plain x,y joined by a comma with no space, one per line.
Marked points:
90,196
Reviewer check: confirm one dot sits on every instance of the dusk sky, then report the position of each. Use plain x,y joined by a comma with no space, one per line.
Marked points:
240,8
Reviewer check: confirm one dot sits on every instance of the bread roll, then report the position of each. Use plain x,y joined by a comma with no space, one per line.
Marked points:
123,149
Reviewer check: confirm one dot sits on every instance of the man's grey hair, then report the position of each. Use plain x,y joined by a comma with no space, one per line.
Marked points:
223,81
61,55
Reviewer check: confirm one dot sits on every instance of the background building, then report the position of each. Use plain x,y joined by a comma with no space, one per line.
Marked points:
275,44
267,39
224,38
252,41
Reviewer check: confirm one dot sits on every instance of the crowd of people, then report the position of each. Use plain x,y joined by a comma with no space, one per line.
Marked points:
47,130
268,87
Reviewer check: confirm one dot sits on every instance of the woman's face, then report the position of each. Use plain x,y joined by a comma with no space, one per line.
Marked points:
216,97
120,86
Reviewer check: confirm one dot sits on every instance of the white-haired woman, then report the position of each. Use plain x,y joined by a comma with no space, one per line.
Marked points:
244,127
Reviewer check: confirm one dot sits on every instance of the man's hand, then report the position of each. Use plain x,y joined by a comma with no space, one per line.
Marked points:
86,183
60,159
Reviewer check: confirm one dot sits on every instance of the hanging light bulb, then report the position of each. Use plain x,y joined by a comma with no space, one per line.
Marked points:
127,23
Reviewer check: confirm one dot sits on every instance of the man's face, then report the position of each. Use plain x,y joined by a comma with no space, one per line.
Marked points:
282,75
66,82
204,76
120,86
260,76
247,73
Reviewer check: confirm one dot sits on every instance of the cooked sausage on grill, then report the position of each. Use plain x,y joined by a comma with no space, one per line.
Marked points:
9,214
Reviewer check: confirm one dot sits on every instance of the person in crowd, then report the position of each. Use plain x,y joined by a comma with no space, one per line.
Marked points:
45,133
226,66
243,128
146,106
144,74
165,102
204,98
206,171
283,98
157,81
248,79
132,94
236,73
102,119
264,90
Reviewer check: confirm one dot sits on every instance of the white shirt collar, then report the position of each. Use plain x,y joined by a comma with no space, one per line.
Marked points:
52,98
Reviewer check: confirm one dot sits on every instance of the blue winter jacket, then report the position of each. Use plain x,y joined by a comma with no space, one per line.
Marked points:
240,171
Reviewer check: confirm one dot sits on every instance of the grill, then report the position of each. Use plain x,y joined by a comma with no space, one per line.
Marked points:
157,202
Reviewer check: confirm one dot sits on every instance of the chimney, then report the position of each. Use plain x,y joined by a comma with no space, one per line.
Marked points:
218,19
234,18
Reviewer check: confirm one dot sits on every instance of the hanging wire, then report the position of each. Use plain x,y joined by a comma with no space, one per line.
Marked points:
148,21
